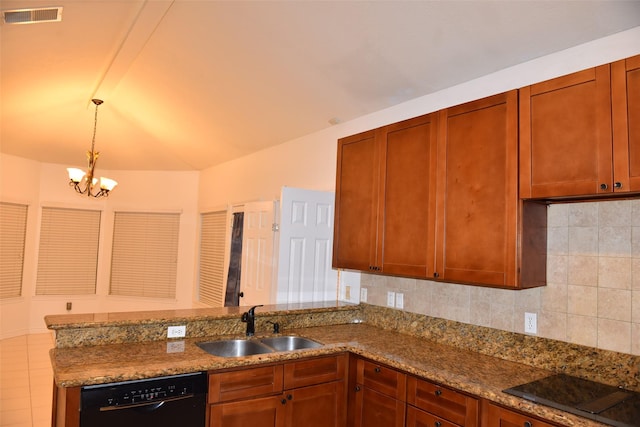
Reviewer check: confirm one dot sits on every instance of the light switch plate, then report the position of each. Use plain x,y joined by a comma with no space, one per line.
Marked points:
399,300
176,331
391,299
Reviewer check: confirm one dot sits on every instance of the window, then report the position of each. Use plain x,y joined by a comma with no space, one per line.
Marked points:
213,233
13,229
144,259
68,254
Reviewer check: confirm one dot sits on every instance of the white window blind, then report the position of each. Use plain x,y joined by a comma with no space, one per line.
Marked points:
144,258
213,235
68,254
13,229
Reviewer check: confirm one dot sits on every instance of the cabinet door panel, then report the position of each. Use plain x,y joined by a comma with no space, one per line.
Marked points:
356,202
321,405
314,371
382,379
625,94
374,409
495,416
565,136
478,201
262,412
409,197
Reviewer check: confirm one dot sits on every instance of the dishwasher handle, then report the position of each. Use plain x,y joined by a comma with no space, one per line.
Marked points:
145,406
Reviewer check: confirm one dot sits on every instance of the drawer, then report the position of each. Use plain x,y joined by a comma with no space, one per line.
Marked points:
315,371
418,418
382,379
247,382
443,402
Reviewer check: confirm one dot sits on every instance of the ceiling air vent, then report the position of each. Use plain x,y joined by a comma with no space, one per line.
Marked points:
32,16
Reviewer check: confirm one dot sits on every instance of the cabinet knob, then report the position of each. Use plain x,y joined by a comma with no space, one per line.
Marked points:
438,392
377,369
289,397
618,185
528,424
436,274
357,388
283,401
437,424
603,186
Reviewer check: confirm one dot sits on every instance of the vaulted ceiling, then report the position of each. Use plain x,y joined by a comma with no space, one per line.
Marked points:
188,84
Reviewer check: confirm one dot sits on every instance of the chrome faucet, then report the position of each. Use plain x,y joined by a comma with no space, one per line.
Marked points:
250,318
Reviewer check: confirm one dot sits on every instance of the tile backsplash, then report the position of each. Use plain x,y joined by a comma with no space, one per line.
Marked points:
592,295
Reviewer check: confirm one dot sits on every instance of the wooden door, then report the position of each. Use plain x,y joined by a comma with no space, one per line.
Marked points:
408,195
262,412
373,409
356,222
322,405
477,205
625,94
565,136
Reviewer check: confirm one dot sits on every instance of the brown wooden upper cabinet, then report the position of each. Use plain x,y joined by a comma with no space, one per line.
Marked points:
480,217
437,197
385,198
579,133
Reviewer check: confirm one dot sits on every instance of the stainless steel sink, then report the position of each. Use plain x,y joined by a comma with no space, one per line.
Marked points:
234,348
250,347
289,343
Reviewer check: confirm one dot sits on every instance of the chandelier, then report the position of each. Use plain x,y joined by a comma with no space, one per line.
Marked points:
84,182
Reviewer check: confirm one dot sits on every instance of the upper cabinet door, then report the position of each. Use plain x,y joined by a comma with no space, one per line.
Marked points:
565,136
356,218
408,192
478,192
625,93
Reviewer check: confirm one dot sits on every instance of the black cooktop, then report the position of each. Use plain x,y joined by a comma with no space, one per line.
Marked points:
589,399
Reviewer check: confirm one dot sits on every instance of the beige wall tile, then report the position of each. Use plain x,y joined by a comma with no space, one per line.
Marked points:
557,240
558,215
583,241
614,304
582,330
614,213
635,338
614,335
614,273
554,297
583,214
553,325
614,241
582,270
582,300
635,274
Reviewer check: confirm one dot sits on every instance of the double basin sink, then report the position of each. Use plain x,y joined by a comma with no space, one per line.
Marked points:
250,347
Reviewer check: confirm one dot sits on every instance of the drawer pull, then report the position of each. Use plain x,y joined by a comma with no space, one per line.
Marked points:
437,424
377,369
357,388
283,401
528,424
438,392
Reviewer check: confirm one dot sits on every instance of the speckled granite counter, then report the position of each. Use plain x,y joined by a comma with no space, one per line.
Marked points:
427,350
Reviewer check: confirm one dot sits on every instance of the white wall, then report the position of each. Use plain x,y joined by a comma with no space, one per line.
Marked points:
45,184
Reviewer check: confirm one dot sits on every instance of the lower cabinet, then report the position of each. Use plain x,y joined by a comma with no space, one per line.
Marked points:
309,392
497,416
431,404
379,395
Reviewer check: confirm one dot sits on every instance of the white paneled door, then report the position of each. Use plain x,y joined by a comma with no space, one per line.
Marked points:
305,247
257,253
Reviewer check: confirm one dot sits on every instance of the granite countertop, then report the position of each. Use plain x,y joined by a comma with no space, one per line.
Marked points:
478,374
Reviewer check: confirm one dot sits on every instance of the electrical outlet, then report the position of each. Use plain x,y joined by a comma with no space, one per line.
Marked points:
391,299
176,331
530,323
363,294
347,292
399,300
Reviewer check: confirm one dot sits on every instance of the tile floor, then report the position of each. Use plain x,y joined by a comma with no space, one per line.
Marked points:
26,381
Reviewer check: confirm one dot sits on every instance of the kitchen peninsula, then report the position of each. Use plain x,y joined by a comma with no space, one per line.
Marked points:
475,362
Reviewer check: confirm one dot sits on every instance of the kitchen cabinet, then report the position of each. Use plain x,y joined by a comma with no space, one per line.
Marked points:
441,200
484,233
379,396
430,404
497,416
625,95
385,199
310,392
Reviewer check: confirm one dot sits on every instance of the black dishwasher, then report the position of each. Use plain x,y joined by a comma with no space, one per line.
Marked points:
177,400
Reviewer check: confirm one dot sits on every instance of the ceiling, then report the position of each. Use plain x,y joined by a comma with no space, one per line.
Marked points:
189,84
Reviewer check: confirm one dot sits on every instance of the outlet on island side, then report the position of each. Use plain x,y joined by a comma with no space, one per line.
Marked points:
531,323
176,331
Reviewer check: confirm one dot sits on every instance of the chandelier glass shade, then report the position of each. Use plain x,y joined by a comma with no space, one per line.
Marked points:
85,182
